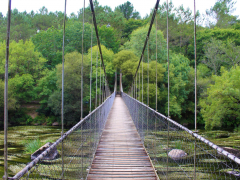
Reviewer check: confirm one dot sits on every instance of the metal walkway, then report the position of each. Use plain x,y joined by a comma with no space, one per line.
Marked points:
120,153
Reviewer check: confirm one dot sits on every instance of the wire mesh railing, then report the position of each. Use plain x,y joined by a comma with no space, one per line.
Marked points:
70,157
177,152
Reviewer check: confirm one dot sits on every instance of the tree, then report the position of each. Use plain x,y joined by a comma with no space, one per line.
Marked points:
12,102
45,88
108,38
127,10
221,12
108,56
130,26
3,27
44,19
137,40
217,54
49,42
23,59
185,29
173,24
22,87
121,57
221,106
126,62
25,25
213,55
72,88
21,26
204,36
104,17
179,78
20,90
181,26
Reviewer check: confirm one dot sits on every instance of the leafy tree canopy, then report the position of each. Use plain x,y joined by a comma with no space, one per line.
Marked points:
23,59
108,37
72,88
221,106
179,71
128,11
205,36
137,40
217,54
221,12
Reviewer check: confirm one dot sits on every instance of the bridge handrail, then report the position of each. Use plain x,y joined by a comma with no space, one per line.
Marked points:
214,146
48,150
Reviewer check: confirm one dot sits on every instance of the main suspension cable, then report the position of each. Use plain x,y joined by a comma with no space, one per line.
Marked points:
98,41
148,35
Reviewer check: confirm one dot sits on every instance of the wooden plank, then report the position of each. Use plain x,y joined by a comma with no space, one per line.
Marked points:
120,153
122,169
119,175
123,173
117,166
142,178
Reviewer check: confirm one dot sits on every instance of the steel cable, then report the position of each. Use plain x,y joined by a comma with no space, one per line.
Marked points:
62,105
6,94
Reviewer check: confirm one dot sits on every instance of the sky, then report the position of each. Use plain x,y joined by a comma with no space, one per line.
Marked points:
141,6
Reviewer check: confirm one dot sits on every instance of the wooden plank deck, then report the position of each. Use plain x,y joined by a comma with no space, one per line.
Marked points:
120,154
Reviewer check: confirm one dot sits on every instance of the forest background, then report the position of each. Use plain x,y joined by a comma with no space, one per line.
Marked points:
36,56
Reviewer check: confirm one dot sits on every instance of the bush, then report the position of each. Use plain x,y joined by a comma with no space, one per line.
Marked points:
19,117
40,119
237,129
51,119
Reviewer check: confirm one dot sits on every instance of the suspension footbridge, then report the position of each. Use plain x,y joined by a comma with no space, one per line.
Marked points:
120,153
123,138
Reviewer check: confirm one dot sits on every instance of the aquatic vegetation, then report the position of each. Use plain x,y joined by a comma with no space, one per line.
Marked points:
32,145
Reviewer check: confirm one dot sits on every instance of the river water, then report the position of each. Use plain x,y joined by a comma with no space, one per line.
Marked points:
17,138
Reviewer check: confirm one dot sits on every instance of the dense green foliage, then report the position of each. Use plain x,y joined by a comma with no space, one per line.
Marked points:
35,66
221,105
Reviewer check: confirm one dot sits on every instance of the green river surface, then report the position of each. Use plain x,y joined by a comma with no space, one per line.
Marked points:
19,135
17,138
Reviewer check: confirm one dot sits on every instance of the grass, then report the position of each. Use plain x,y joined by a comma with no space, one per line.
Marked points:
32,145
178,145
